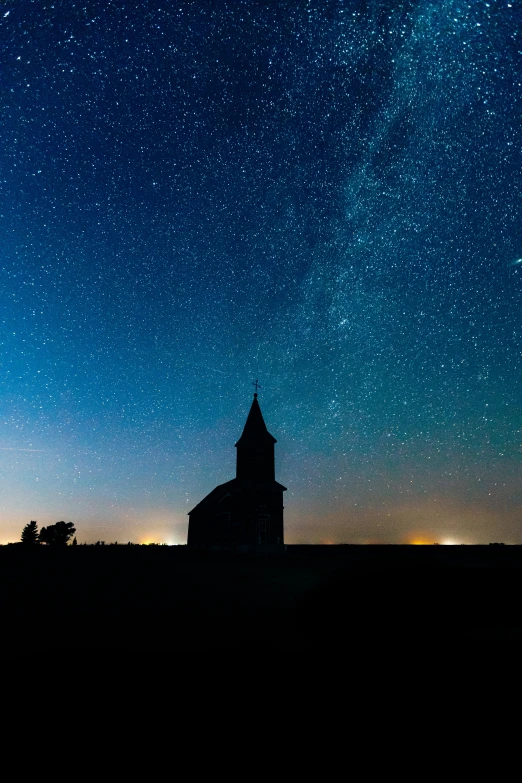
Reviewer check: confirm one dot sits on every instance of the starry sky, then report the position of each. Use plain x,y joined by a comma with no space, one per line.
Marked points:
322,195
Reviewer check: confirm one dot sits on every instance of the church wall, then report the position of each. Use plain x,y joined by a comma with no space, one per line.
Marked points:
239,521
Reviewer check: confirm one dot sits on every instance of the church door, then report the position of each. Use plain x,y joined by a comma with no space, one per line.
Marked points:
263,528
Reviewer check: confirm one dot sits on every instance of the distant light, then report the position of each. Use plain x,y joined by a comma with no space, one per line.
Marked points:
449,542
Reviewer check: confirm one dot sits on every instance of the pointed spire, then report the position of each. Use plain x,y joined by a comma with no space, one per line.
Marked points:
255,448
255,427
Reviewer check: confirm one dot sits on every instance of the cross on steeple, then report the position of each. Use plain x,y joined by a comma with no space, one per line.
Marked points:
256,384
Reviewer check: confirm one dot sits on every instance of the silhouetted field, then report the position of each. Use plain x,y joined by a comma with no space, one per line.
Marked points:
145,599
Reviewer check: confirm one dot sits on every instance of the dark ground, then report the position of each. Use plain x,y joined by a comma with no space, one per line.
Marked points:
131,599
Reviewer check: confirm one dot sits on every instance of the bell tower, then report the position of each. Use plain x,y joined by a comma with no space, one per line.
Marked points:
255,448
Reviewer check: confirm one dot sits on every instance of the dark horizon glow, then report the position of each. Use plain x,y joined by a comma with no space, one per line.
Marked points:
322,195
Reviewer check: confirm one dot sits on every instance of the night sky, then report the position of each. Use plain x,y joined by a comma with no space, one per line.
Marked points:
322,195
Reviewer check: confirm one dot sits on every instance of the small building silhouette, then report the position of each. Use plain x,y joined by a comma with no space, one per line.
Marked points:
245,513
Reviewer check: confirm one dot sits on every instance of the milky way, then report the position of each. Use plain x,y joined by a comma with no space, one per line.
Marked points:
322,195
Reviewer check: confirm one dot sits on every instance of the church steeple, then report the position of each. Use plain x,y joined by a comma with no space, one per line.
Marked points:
255,448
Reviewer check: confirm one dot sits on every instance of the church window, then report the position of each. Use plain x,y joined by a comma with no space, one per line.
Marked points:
263,525
224,519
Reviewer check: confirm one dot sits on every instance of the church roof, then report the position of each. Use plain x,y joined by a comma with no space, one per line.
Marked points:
255,427
233,487
213,497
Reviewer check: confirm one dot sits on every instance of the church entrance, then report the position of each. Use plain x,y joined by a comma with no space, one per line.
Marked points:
263,528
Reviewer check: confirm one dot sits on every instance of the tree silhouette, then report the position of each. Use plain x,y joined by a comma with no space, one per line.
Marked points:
30,533
57,534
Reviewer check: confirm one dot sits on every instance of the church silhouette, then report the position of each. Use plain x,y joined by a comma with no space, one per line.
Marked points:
245,513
